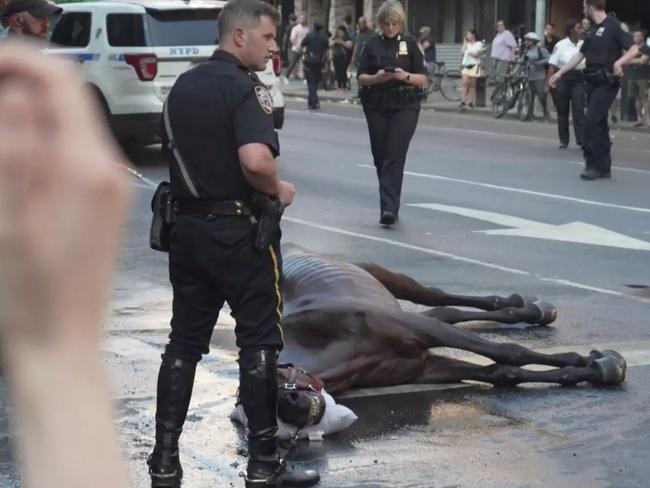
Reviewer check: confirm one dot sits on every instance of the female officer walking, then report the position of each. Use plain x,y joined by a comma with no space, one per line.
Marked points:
391,75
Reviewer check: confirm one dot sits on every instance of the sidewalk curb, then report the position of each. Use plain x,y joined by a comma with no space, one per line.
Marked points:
352,101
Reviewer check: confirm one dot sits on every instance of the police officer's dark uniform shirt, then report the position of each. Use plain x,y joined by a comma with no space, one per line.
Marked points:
605,45
381,52
216,124
316,45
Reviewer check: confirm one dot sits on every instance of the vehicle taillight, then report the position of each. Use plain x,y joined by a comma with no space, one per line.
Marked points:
277,65
145,65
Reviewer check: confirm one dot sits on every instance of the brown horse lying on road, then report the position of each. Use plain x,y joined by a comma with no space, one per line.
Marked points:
343,323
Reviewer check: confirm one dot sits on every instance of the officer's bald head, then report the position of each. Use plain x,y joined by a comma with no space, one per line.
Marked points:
244,13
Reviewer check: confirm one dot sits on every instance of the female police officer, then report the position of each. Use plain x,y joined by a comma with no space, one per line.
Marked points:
391,75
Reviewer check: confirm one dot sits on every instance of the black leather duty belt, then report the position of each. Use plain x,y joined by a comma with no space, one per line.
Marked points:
211,207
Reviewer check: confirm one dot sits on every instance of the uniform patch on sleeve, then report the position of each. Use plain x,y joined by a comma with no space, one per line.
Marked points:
264,98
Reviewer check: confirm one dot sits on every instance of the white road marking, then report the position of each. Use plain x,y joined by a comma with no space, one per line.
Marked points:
519,190
462,259
576,232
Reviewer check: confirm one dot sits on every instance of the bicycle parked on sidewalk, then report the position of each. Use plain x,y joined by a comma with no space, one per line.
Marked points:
446,81
513,91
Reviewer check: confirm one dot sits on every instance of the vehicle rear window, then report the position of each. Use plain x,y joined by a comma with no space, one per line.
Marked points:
126,30
188,27
72,30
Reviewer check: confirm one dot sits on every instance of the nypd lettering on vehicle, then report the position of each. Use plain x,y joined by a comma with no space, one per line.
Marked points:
184,51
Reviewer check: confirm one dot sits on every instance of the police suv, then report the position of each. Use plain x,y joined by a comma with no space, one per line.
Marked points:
131,52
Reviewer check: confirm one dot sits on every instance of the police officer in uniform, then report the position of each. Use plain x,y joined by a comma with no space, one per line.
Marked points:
602,50
391,74
221,145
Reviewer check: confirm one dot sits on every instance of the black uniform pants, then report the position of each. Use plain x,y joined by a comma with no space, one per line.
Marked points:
212,261
313,75
390,135
570,98
597,145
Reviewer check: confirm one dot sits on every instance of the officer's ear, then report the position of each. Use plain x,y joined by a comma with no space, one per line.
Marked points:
239,36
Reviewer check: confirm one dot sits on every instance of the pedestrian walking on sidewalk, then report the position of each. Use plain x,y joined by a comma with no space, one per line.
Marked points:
341,56
315,47
298,33
570,91
602,51
392,76
637,74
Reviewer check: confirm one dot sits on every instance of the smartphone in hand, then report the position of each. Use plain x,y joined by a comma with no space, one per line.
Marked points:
390,69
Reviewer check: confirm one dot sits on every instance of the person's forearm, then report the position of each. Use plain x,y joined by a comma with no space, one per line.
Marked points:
367,80
63,394
571,65
418,80
263,177
629,55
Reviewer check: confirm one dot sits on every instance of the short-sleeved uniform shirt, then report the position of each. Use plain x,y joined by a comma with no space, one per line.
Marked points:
605,44
316,46
214,109
381,52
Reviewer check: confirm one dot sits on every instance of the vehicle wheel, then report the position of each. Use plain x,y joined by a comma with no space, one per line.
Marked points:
525,105
450,85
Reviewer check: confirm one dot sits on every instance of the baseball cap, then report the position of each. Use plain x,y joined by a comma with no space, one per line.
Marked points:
37,8
531,36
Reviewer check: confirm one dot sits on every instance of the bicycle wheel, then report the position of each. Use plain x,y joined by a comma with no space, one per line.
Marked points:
450,85
525,104
500,100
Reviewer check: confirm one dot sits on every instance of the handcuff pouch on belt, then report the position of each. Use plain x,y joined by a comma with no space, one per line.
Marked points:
164,209
600,77
268,211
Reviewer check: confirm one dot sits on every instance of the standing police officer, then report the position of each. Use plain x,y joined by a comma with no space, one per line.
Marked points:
602,50
392,74
221,145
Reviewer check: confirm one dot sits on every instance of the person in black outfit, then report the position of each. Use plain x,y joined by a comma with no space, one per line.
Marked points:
569,94
392,75
315,47
602,50
341,55
221,145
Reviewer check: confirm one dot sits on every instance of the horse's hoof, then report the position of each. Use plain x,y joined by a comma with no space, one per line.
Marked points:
547,313
611,366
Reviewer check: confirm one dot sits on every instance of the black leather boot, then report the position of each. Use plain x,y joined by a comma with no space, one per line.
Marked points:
175,382
258,394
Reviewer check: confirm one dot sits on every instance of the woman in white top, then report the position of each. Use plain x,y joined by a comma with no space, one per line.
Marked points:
472,51
570,92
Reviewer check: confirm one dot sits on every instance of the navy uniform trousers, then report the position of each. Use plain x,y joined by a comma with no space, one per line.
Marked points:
597,145
390,135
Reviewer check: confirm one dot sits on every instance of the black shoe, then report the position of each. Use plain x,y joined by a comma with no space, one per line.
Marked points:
591,174
175,382
387,218
271,474
563,145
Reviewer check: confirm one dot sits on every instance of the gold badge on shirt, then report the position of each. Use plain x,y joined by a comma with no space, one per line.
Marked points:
403,48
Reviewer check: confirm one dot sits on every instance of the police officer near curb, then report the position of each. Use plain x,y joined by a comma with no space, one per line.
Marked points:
392,75
221,145
602,50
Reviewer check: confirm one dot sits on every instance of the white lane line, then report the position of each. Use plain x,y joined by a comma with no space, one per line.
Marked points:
519,190
463,259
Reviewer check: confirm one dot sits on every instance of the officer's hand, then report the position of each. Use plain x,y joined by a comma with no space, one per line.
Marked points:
554,80
62,204
382,76
618,70
286,193
400,74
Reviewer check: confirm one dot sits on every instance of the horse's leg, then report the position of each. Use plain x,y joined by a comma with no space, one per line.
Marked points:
406,288
538,313
440,334
447,370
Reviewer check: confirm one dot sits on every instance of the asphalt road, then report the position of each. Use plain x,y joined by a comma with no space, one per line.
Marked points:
582,246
